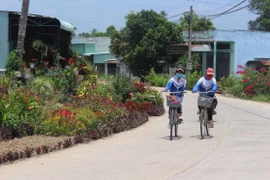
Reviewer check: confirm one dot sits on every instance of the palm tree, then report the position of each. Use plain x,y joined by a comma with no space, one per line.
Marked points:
22,28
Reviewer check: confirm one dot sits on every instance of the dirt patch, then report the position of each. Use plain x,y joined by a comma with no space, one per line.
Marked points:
29,141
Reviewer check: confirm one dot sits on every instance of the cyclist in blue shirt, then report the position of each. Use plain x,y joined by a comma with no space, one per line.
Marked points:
205,84
175,84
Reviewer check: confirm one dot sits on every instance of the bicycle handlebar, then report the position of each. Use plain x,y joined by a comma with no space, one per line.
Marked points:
201,92
178,92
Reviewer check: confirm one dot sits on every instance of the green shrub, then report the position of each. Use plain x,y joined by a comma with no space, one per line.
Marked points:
149,96
122,86
59,78
19,111
12,63
157,79
236,90
193,79
234,86
222,84
43,86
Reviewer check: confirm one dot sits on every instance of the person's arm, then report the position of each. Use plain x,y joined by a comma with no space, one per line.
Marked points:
214,88
214,85
168,86
185,84
197,85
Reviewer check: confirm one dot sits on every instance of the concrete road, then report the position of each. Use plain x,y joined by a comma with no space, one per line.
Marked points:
239,148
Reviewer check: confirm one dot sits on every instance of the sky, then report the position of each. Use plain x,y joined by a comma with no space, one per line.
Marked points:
86,15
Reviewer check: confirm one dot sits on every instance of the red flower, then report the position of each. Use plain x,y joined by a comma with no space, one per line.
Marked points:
241,72
245,80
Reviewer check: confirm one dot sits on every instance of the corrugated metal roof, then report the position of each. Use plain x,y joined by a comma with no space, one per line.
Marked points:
63,24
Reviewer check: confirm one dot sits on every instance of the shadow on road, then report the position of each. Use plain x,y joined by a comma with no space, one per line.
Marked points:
174,138
200,138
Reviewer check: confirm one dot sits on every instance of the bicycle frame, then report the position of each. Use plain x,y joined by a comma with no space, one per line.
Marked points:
203,118
173,115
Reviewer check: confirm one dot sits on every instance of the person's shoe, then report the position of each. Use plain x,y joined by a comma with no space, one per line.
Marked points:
214,112
180,119
211,124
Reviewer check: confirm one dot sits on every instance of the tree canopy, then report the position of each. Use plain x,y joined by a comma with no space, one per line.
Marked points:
95,33
262,9
198,23
144,41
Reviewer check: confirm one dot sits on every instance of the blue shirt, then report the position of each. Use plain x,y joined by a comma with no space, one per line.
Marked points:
204,85
175,85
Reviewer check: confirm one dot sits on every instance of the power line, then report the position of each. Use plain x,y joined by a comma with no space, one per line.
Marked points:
225,12
207,2
175,15
228,11
244,7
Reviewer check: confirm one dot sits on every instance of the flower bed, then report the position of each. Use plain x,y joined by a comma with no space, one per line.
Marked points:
71,106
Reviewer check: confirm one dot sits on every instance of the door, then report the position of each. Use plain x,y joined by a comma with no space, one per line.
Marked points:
222,64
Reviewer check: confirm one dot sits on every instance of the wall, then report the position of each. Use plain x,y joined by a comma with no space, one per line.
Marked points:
83,48
100,58
79,48
4,48
247,45
102,43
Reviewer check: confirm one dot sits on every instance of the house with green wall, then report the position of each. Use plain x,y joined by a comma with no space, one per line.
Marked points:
96,49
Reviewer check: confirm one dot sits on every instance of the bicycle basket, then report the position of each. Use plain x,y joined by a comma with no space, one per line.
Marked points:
170,103
205,101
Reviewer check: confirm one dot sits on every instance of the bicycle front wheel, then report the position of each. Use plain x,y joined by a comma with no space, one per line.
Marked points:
204,123
175,129
173,124
201,124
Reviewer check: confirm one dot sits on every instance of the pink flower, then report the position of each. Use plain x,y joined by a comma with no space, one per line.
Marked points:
262,69
240,66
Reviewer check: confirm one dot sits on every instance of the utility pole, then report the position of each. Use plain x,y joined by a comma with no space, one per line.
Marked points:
189,62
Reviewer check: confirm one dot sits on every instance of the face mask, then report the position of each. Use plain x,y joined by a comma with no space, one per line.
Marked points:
209,77
179,76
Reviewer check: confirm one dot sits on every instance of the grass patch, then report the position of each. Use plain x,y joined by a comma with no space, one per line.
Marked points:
262,98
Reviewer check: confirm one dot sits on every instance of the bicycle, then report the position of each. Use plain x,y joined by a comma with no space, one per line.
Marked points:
173,115
204,102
